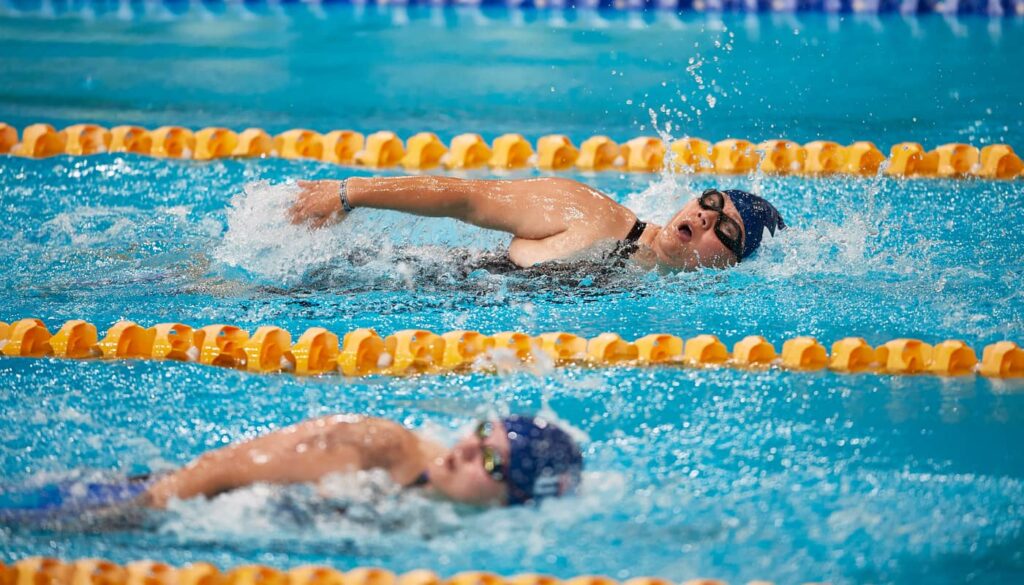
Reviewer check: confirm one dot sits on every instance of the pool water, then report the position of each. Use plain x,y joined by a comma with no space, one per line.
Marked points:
772,475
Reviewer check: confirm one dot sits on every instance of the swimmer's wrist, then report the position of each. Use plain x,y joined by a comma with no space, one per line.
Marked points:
346,205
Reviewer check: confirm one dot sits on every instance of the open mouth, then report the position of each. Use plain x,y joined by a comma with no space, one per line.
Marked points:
684,232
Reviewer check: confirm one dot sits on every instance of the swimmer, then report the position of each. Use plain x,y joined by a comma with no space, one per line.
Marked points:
556,219
507,461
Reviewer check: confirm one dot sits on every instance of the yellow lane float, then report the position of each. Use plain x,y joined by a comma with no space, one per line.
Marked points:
468,151
909,159
824,157
382,150
221,345
511,151
804,353
8,137
863,158
131,139
782,157
126,340
269,350
734,156
414,351
693,155
172,142
340,146
423,152
253,143
40,141
173,341
299,143
957,160
76,339
363,352
999,161
462,347
151,573
316,352
610,348
753,350
563,347
26,338
556,152
598,153
85,139
1003,360
644,154
851,354
705,350
214,143
314,575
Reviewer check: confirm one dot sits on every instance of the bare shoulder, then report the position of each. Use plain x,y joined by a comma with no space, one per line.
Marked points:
380,441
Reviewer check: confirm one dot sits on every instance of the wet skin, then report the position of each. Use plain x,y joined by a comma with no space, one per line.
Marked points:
549,218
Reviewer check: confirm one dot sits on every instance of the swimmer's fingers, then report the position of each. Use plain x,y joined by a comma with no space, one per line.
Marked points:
304,206
316,201
325,220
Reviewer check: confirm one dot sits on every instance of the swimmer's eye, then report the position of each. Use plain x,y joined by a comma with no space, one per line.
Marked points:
730,230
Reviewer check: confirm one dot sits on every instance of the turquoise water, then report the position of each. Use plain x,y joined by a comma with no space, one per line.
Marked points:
776,475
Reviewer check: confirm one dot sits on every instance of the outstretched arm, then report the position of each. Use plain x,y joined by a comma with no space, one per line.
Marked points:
301,453
533,209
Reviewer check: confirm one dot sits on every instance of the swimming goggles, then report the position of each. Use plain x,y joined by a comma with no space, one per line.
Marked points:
728,231
494,463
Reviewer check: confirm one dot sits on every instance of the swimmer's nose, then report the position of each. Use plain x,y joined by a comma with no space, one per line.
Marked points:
466,452
707,218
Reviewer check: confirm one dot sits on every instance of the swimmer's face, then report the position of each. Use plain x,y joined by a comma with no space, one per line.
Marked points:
688,241
460,473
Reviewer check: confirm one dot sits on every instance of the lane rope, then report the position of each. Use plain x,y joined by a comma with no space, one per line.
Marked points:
551,153
364,352
50,571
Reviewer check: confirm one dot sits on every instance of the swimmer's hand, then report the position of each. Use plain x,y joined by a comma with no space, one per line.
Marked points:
318,204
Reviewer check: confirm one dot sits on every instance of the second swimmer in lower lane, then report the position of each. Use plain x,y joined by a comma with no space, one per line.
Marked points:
556,219
504,461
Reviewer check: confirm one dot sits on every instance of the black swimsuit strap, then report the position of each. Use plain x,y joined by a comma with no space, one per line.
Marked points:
635,233
628,245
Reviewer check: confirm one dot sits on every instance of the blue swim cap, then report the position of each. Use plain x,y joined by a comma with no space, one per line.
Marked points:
757,215
544,460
